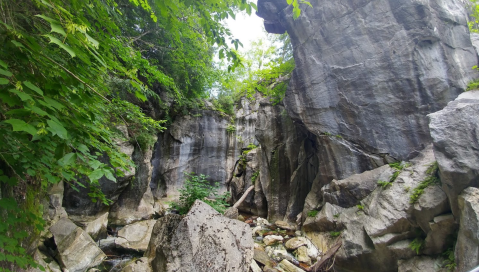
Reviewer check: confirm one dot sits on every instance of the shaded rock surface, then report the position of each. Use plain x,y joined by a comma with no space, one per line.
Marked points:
203,240
454,131
467,247
76,249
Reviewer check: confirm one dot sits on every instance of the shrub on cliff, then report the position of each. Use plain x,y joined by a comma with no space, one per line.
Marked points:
197,187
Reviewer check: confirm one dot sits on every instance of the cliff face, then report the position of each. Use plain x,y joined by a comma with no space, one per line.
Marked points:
371,70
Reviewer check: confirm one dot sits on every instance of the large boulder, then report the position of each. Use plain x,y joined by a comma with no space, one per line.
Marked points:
454,131
203,240
76,249
378,232
135,236
369,71
467,246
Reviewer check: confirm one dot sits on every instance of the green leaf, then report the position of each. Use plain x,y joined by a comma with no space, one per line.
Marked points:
92,41
68,159
57,129
58,29
48,19
3,64
96,175
53,103
289,2
33,87
109,175
23,96
307,3
17,44
296,13
20,125
5,73
62,45
39,111
94,164
4,81
140,96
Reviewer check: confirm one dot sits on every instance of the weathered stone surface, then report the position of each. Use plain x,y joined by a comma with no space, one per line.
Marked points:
289,267
271,239
467,246
255,267
262,257
325,220
475,40
46,261
375,238
135,236
277,252
423,264
203,240
296,242
289,162
285,225
431,203
198,144
95,226
140,265
439,238
76,249
371,70
136,202
161,240
454,132
348,192
302,255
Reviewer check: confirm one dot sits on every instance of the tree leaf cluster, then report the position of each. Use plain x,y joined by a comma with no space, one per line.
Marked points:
59,110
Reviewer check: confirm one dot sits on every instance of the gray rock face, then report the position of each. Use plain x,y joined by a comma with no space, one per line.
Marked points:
348,192
136,202
370,70
376,236
289,163
192,144
467,246
76,249
454,131
423,264
203,240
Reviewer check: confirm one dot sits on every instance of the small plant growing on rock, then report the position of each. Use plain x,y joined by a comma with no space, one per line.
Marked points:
417,245
450,262
197,187
360,207
335,234
254,177
431,179
231,128
313,213
336,215
384,184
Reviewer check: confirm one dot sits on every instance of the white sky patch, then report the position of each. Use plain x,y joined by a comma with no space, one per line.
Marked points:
247,28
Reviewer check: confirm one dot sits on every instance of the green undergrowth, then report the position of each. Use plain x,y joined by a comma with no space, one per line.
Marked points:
432,178
254,177
198,187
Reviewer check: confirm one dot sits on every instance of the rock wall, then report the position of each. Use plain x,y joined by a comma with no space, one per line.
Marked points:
371,70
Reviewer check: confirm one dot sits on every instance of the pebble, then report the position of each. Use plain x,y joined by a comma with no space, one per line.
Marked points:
271,239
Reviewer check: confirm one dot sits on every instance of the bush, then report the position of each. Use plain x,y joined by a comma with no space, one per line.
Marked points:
197,187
